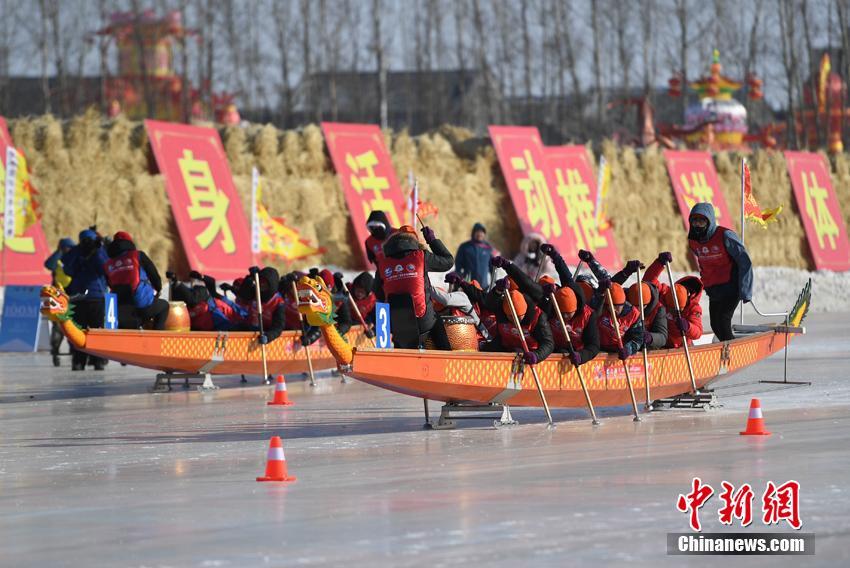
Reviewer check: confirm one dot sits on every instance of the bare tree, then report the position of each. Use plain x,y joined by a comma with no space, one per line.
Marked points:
788,29
44,52
820,131
380,62
597,64
283,19
481,57
753,43
647,10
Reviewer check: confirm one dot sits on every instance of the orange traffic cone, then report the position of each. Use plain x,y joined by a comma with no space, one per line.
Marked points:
280,396
755,422
276,464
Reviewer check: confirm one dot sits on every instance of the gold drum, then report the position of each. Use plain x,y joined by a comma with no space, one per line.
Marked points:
178,317
461,332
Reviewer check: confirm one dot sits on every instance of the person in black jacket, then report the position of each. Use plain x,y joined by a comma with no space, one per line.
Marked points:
402,281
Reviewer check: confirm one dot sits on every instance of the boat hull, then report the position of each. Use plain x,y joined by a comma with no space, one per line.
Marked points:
486,377
218,353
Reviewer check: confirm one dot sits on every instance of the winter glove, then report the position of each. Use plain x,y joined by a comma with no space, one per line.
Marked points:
369,333
585,255
549,250
530,358
263,339
500,285
575,357
195,274
549,289
339,280
499,262
170,275
604,284
305,339
453,278
647,338
665,258
429,234
631,267
226,287
623,353
254,270
683,325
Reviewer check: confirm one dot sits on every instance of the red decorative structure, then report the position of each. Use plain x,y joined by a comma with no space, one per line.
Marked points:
716,121
146,76
823,110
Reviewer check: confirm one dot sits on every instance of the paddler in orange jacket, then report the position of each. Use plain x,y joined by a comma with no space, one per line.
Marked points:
689,292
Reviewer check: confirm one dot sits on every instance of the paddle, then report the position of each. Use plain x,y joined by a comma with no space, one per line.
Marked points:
533,368
357,311
303,334
684,339
266,377
645,355
616,323
572,350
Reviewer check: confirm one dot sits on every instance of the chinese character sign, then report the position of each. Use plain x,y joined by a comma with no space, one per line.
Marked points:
532,186
22,243
819,208
778,503
366,172
575,188
204,201
695,181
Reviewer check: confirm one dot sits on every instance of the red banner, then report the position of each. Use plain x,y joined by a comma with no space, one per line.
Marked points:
22,257
204,201
818,205
575,184
366,173
695,181
532,186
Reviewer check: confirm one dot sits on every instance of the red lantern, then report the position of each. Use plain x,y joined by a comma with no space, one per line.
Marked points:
754,91
675,86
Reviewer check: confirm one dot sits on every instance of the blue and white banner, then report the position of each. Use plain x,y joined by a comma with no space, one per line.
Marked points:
21,316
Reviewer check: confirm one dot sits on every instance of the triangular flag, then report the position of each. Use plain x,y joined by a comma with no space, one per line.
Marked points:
752,211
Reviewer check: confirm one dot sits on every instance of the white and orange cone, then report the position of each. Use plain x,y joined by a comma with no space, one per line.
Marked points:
281,398
755,422
276,463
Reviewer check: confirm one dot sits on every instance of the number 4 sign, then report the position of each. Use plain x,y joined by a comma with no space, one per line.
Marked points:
110,311
382,326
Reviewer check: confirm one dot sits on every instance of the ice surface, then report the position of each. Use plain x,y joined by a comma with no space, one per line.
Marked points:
95,471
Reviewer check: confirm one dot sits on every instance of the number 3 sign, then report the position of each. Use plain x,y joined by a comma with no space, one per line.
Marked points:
382,326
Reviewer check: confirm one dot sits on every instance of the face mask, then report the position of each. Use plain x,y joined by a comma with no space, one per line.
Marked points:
378,231
697,233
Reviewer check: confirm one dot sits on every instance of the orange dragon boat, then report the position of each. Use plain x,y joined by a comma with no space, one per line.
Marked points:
191,354
501,379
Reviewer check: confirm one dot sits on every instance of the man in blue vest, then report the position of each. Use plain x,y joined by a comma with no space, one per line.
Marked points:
724,267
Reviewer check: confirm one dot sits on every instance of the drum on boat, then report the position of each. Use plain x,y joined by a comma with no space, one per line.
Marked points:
178,317
461,332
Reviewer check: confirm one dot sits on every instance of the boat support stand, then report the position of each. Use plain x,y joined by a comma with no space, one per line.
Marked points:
163,381
703,399
449,415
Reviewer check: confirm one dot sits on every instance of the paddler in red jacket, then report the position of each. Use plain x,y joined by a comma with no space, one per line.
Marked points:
580,319
533,322
689,292
631,339
724,268
402,281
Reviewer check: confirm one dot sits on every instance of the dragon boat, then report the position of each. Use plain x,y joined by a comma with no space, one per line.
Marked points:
472,377
195,353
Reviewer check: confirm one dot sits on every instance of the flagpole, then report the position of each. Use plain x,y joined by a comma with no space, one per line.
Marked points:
743,165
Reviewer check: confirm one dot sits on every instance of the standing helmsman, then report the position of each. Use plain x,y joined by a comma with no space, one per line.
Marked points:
724,267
